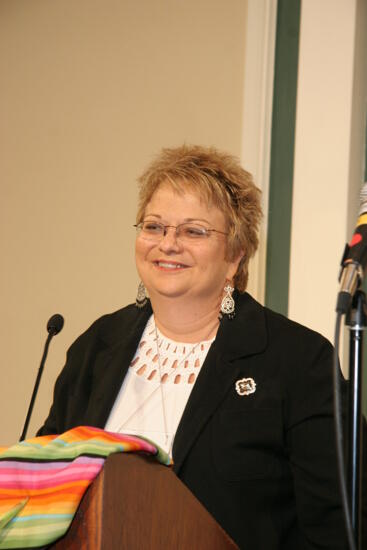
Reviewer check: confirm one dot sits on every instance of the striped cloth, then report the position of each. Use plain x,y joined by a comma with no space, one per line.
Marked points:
43,479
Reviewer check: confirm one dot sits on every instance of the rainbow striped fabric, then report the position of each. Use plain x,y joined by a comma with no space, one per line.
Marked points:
43,479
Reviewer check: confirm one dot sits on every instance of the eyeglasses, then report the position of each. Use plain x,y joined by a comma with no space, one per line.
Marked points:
186,232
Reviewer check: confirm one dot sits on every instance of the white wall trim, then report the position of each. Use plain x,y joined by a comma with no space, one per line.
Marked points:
257,117
329,153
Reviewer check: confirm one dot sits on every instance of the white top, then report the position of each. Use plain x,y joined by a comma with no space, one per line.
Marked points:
138,408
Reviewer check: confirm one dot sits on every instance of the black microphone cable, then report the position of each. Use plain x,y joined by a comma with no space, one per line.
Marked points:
339,436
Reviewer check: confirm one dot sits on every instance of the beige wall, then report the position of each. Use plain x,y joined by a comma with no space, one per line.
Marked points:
91,89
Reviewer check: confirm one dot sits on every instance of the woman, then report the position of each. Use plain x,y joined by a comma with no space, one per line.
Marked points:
239,395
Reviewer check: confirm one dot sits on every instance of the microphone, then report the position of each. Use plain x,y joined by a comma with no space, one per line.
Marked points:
354,259
54,326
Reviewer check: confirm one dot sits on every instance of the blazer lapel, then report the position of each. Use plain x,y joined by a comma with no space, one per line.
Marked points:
243,336
111,366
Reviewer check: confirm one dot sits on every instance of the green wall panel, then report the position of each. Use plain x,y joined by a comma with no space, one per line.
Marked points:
282,155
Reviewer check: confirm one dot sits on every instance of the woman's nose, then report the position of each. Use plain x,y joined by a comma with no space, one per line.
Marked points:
169,240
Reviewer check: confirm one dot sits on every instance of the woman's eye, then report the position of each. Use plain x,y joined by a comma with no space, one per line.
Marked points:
194,231
152,227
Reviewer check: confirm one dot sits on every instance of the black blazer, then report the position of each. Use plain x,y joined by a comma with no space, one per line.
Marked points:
263,464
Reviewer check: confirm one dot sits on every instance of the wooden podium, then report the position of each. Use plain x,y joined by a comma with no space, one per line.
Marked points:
135,503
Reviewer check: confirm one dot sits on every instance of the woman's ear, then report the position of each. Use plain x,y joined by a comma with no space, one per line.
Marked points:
233,265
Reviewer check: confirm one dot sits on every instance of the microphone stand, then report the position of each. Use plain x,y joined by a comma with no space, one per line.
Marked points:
51,334
356,320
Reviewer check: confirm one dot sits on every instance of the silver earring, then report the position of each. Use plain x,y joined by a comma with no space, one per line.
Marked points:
141,297
227,306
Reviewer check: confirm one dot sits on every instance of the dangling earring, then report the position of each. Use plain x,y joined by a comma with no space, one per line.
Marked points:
141,297
227,306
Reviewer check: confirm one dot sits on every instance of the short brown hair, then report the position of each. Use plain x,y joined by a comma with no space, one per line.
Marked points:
220,180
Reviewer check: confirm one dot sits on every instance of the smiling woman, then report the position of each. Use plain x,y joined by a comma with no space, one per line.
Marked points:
240,396
194,271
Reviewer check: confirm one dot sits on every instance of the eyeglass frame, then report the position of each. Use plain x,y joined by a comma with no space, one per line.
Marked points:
139,226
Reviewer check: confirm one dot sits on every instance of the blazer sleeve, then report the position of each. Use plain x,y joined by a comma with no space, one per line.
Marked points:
310,439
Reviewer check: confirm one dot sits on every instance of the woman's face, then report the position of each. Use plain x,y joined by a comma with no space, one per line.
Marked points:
196,269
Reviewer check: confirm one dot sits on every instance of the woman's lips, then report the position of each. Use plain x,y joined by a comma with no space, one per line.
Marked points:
172,266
